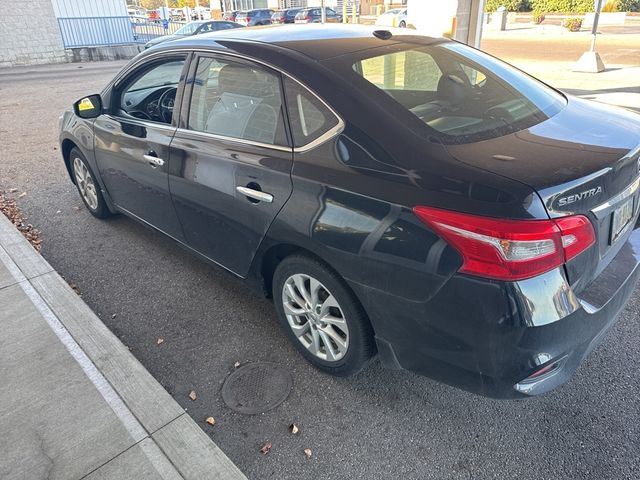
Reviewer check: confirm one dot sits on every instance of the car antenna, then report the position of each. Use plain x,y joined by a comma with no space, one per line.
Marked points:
383,34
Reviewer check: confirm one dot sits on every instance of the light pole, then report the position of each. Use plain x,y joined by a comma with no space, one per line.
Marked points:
590,61
323,14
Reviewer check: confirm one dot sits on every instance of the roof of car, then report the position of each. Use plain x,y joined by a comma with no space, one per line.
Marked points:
317,41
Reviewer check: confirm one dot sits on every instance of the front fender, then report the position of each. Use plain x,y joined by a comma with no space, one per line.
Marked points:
78,132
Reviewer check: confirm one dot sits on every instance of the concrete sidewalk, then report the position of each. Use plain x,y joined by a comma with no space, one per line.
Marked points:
74,402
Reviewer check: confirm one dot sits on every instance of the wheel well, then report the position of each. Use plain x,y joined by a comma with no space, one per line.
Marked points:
272,258
274,255
67,146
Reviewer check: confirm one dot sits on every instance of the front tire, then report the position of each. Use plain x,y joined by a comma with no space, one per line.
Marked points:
87,185
403,24
322,317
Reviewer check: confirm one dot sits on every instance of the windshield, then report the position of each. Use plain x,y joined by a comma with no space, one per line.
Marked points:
462,94
188,29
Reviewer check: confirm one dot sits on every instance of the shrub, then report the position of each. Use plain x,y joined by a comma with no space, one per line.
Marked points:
629,5
510,5
562,6
573,24
611,6
537,18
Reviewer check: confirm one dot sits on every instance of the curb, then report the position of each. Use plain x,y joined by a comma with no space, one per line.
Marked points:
169,438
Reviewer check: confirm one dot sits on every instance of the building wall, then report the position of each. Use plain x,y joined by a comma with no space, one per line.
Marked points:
22,44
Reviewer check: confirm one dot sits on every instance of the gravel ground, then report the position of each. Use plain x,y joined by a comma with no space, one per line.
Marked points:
378,425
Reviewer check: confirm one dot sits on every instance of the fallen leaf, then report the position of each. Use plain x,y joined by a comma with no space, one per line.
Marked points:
77,209
13,213
192,395
13,190
307,452
236,365
23,194
113,315
59,211
158,342
211,420
293,428
266,448
55,148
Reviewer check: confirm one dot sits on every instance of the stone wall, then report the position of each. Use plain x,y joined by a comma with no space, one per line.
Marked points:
30,39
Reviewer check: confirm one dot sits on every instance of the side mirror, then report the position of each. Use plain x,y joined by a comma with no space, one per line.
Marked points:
88,107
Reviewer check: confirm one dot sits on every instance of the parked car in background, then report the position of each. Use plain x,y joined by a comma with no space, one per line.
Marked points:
136,12
314,15
285,16
453,215
200,13
393,18
256,17
230,15
195,28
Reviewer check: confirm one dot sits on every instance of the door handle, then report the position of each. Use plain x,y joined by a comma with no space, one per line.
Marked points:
255,194
154,161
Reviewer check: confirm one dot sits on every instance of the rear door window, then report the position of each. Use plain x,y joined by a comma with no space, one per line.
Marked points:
237,100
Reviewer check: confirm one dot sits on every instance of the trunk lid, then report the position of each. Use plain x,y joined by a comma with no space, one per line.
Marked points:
584,160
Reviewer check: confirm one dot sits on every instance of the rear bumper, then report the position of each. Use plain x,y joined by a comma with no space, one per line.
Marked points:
487,337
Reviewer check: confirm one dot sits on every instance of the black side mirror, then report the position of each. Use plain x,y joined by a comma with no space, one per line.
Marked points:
88,107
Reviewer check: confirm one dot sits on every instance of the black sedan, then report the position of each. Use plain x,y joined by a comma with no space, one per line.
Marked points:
394,194
194,28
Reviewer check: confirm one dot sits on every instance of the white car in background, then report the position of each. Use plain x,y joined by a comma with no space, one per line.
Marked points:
393,18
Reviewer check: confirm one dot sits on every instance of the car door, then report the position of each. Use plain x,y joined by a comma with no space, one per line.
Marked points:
230,158
132,141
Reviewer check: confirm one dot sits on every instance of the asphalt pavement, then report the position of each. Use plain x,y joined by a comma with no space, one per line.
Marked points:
377,425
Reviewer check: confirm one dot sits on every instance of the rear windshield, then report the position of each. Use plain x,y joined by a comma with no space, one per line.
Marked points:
460,93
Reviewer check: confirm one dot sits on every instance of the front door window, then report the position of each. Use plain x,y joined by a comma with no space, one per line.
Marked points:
150,93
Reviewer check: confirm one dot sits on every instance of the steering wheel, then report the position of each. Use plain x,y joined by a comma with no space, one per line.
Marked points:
166,103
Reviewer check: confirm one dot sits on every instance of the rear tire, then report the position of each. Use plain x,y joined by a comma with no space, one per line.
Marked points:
322,317
87,185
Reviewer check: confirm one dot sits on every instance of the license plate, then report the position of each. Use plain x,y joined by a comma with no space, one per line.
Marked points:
622,216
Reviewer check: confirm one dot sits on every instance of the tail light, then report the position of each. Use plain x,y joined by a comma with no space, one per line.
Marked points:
307,19
510,249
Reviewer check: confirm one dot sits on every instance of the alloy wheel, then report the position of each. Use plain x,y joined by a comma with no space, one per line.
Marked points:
315,317
85,183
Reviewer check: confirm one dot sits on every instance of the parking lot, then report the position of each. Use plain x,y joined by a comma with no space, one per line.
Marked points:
379,424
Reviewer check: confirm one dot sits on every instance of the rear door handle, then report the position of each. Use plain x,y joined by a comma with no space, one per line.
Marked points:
255,194
154,161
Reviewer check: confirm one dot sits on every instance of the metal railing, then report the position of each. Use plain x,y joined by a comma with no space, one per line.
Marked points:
98,31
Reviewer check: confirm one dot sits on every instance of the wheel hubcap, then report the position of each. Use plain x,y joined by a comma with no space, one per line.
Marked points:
85,183
315,317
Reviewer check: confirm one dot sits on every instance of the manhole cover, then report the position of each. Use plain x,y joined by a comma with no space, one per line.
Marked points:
257,388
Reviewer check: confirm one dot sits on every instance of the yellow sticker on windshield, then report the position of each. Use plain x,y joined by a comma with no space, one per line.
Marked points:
85,104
